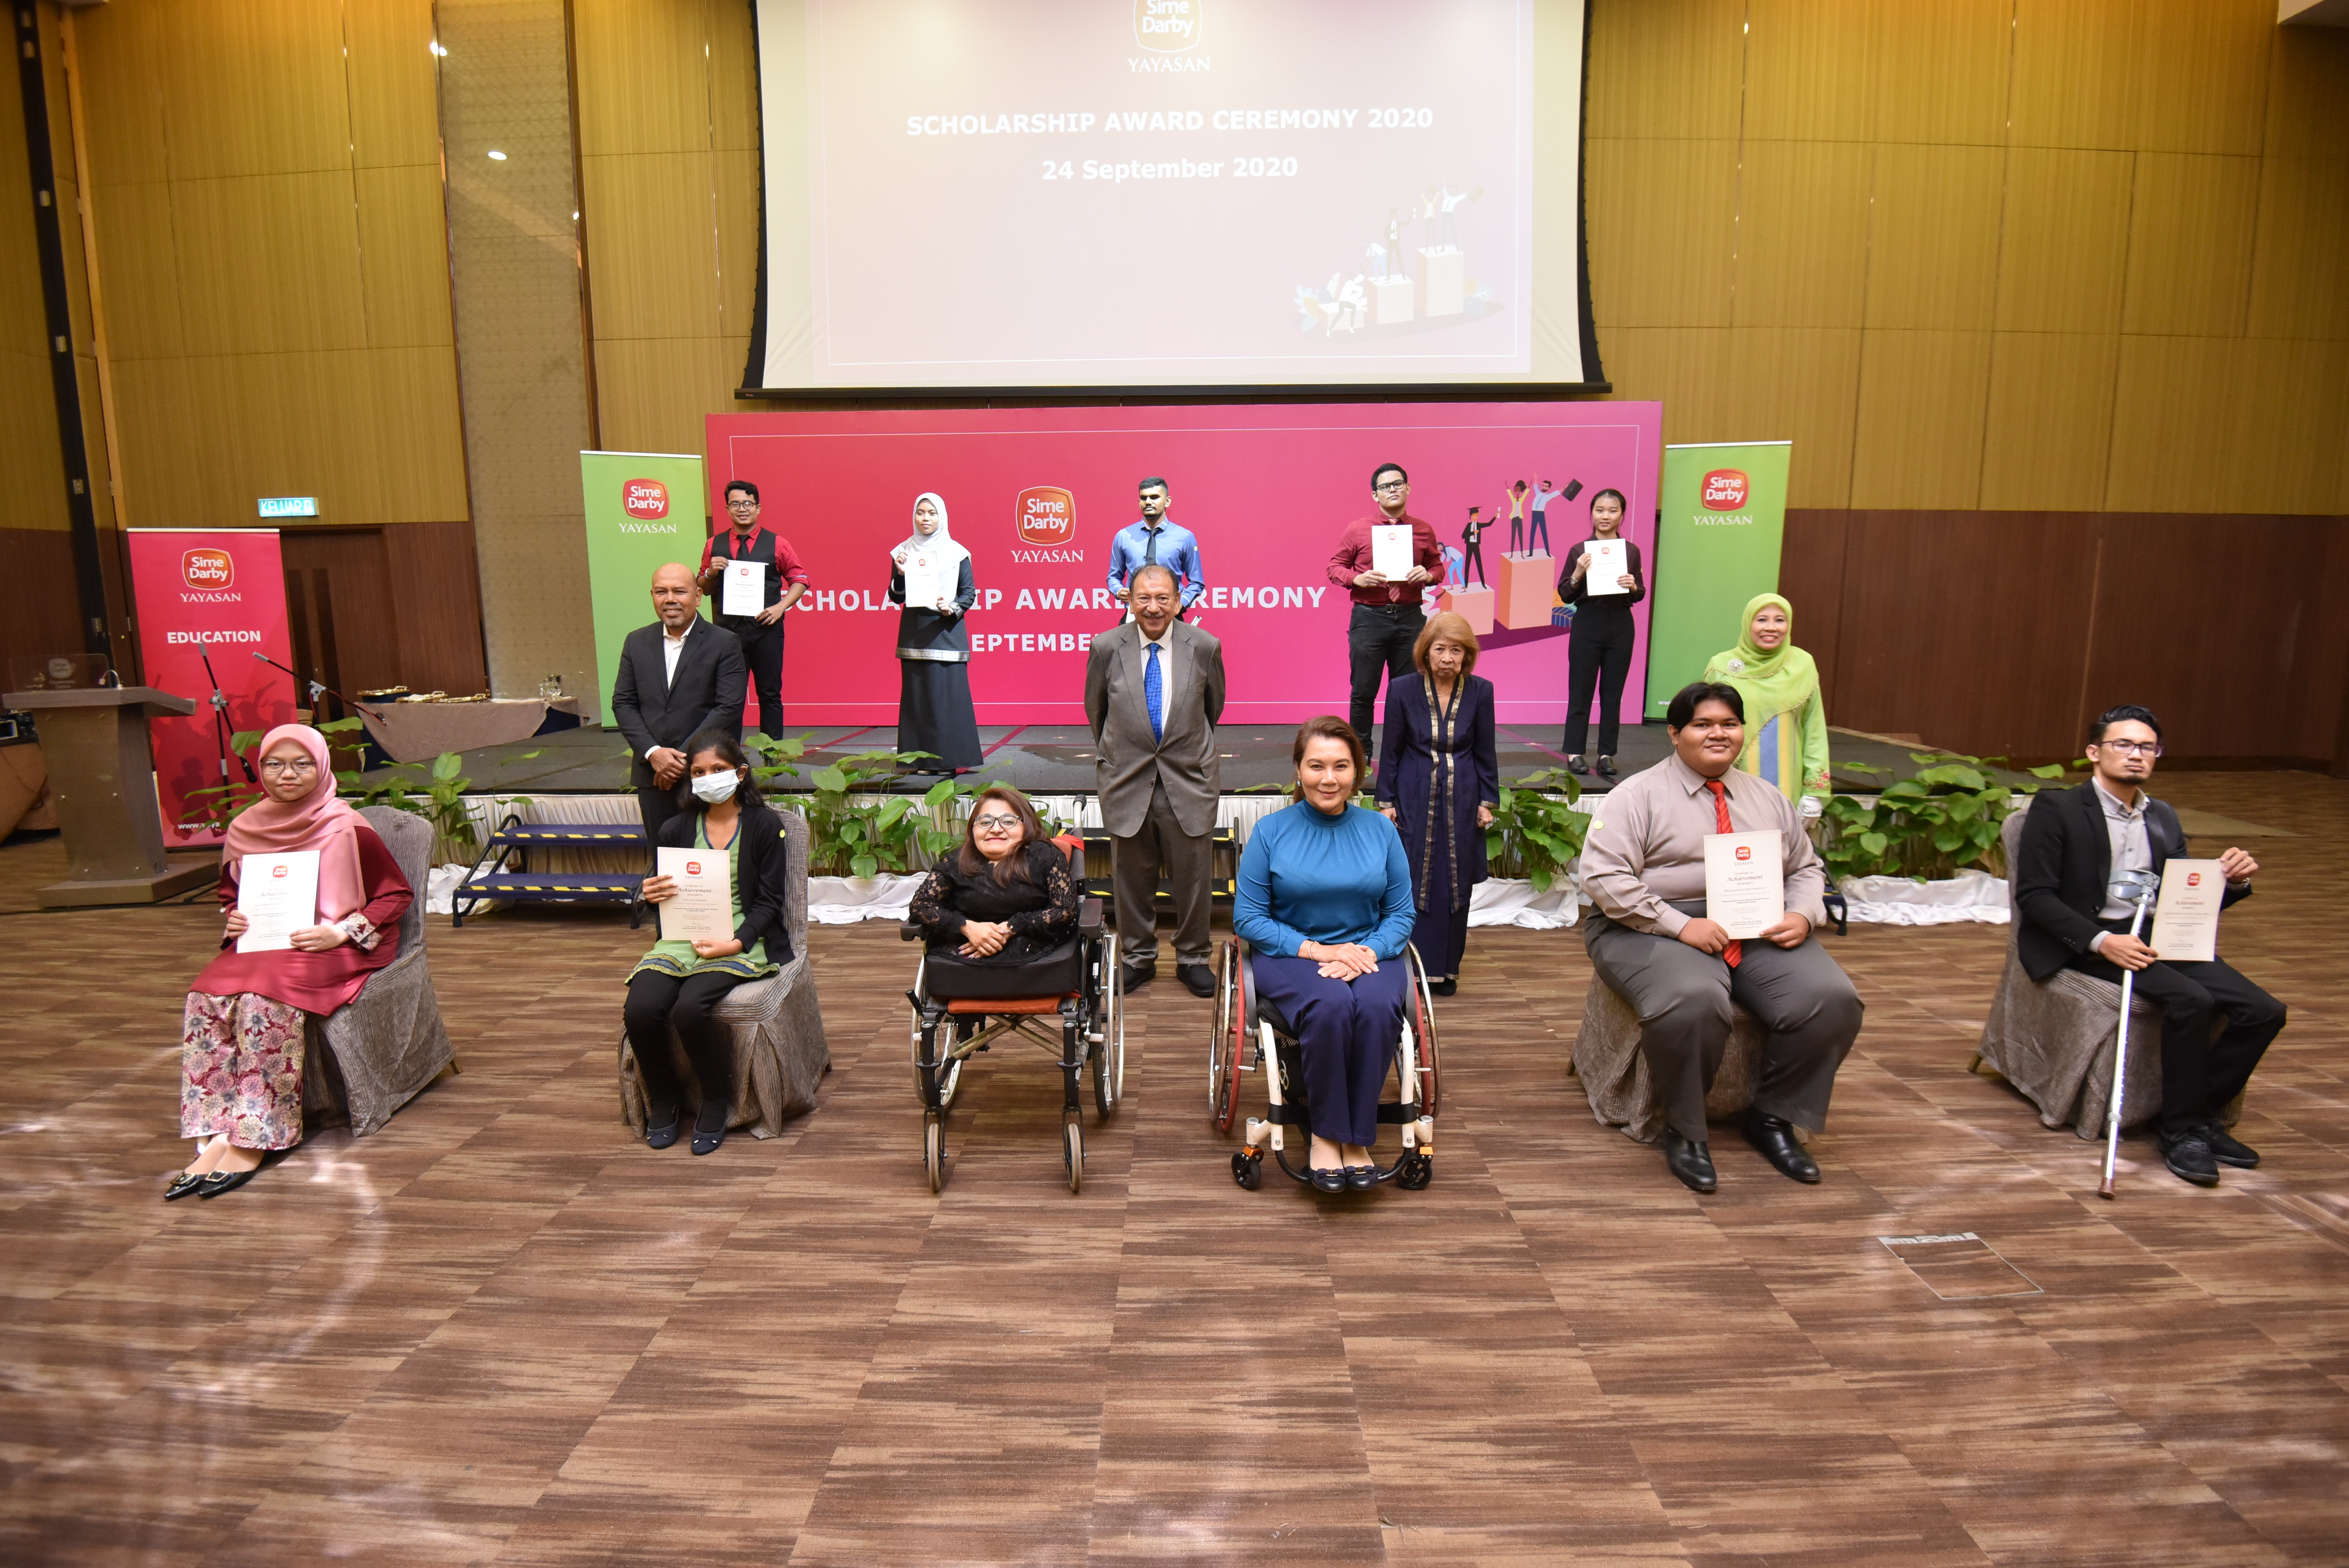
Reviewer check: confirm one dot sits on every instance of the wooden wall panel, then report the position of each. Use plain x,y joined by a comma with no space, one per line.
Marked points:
2076,73
390,44
1811,579
2018,583
644,70
2223,678
2308,81
2299,258
656,274
2192,218
2063,253
2201,71
1662,223
1933,232
1683,367
1810,68
1941,72
1802,234
1671,69
2047,434
40,624
268,264
265,80
1918,441
435,590
655,390
1796,384
403,256
2206,424
734,173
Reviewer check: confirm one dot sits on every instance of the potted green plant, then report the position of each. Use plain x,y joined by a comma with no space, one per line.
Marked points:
1926,851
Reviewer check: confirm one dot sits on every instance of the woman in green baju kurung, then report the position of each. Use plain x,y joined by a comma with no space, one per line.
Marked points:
1786,722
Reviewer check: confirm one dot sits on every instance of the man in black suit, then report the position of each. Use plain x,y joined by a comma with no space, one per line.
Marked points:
677,675
2073,845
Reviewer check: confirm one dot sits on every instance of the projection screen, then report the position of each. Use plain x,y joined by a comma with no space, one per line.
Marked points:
1147,193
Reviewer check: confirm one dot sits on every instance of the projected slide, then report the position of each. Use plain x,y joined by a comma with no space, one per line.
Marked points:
1062,192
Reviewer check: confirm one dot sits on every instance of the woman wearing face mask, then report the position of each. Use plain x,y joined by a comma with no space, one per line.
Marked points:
1439,782
1786,722
1598,649
1324,903
934,711
679,984
1007,897
240,1042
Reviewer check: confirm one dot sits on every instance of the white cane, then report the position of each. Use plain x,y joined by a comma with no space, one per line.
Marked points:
2143,885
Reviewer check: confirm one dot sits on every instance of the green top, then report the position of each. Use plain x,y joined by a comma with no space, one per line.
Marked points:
676,958
1786,722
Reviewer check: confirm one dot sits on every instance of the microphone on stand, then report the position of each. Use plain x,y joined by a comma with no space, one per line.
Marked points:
222,731
319,687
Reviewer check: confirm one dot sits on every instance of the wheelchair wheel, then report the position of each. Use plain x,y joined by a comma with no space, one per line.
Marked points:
949,1073
1422,1028
1247,1170
934,1149
1109,1045
1414,1171
1227,1050
1072,1148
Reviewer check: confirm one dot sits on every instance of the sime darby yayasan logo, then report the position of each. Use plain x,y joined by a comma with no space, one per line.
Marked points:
1725,490
1045,517
1745,851
209,569
1169,26
645,498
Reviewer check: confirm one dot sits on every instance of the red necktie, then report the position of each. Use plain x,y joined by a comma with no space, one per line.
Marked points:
1736,950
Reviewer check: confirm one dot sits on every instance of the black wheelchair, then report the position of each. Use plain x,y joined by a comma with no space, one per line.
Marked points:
961,1010
1249,1030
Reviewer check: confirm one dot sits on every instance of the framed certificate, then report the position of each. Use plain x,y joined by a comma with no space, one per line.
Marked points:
745,592
1745,882
703,909
2186,911
279,896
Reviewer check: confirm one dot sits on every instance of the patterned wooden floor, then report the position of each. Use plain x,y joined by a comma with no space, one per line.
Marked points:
499,1332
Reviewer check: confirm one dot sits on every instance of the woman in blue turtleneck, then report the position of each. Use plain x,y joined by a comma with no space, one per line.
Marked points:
1325,901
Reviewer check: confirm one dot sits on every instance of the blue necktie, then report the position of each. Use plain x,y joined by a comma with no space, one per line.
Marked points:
1154,694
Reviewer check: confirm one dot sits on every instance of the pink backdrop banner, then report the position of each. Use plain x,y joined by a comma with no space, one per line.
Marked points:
1035,494
222,590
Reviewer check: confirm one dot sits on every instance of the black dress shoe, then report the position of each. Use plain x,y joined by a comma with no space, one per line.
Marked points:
1607,768
1443,988
1362,1178
706,1142
2226,1151
220,1182
1137,975
1692,1162
1574,763
1198,978
663,1136
1332,1180
185,1183
2190,1157
1775,1137
709,1126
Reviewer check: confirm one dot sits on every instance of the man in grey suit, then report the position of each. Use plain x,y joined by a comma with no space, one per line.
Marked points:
1154,694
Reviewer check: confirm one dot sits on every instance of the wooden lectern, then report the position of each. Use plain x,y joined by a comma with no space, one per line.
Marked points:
102,772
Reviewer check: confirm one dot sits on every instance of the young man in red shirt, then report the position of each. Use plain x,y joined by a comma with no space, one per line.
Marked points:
761,635
1387,616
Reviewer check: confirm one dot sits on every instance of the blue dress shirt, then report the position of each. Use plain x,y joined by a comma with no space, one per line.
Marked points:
1178,552
1308,876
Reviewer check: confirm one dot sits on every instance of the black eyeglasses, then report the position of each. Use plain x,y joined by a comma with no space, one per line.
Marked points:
995,821
2134,747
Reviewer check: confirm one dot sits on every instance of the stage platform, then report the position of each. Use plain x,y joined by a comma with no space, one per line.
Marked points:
1058,759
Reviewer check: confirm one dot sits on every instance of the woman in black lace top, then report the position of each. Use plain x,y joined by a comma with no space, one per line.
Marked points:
1007,896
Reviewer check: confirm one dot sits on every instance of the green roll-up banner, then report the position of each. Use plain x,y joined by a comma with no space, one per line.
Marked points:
645,510
1724,516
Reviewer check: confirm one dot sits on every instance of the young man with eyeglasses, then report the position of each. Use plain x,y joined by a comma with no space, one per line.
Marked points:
1387,617
1652,945
2072,914
761,635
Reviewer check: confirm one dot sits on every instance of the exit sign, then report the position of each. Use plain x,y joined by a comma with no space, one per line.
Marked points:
289,506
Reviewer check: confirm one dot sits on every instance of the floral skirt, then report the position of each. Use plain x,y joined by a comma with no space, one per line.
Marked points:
241,1070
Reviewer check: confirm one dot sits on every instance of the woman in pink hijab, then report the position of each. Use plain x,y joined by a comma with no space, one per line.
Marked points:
241,1045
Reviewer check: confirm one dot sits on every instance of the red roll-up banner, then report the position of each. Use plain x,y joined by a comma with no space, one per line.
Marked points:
208,600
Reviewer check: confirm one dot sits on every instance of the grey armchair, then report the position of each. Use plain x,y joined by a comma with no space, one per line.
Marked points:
1614,1071
779,1054
373,1055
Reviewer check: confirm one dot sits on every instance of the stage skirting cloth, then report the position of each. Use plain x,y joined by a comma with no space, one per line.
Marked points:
421,731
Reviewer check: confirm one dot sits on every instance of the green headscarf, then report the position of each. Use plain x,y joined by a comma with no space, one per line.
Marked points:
1778,680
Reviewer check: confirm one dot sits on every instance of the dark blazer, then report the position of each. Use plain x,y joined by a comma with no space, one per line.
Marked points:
2062,867
762,878
652,710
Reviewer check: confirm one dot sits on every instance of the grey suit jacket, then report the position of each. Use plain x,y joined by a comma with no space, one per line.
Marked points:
1127,762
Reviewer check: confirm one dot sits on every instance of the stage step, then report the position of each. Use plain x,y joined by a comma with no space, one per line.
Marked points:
548,887
572,835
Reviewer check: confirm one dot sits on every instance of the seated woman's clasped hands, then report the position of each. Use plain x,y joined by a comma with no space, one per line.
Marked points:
1007,896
